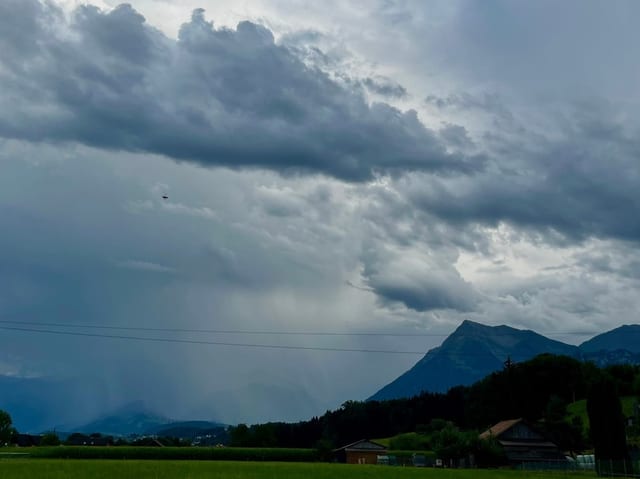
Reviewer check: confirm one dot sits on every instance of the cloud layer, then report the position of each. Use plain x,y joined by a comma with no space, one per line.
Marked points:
213,96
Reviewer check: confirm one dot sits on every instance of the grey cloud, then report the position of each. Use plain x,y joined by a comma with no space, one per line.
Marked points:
419,282
618,259
464,102
540,49
385,87
215,96
278,202
576,181
456,136
119,34
425,294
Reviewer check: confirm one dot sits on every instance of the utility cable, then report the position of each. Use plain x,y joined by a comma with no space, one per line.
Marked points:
210,343
259,332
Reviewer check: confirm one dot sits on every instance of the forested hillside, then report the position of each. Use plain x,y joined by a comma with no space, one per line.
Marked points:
538,390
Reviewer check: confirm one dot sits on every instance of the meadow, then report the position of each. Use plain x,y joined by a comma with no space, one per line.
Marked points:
153,469
168,453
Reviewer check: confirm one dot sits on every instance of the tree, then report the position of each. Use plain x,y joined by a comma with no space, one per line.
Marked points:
50,439
6,427
452,444
239,436
607,428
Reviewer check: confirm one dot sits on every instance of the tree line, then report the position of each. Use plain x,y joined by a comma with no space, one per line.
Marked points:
537,390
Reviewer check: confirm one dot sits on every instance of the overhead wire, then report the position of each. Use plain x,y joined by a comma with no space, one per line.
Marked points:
210,343
3,326
261,332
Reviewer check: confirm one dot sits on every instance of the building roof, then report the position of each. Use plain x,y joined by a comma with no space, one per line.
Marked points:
362,445
500,428
522,443
528,444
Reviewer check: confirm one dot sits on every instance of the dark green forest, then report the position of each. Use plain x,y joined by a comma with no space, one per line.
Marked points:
538,390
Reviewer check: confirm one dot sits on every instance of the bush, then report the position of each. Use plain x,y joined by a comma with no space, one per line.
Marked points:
410,442
50,439
177,453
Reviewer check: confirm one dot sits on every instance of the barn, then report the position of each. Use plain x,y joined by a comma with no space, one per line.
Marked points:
523,444
360,452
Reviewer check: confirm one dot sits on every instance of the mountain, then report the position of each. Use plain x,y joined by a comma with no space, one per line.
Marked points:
604,358
625,337
133,418
469,354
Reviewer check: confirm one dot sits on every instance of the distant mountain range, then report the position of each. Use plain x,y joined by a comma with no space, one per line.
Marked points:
470,353
132,418
625,337
475,350
135,419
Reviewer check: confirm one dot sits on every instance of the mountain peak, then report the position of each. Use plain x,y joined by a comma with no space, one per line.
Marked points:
467,324
471,352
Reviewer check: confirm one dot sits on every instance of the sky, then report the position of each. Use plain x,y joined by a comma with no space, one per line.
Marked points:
380,166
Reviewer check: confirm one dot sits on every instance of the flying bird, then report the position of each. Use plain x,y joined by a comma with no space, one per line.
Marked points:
165,197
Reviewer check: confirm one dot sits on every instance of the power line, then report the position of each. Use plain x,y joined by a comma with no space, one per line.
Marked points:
259,332
210,343
456,354
219,331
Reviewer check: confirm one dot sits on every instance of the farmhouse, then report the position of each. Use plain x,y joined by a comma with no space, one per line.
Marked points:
523,444
360,452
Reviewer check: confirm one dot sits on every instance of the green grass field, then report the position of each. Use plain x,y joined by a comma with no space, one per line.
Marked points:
167,453
136,469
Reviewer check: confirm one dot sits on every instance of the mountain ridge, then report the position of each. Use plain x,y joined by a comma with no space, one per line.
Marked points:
475,350
625,337
136,419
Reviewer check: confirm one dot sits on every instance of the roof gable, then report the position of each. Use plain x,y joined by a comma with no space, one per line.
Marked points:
513,429
499,428
363,445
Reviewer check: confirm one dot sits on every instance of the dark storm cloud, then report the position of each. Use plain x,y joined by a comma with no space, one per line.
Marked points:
419,281
432,294
579,181
457,136
214,96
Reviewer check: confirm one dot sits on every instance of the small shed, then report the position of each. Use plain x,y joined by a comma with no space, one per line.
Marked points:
360,452
523,444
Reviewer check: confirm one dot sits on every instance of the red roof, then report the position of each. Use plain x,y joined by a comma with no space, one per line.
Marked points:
498,429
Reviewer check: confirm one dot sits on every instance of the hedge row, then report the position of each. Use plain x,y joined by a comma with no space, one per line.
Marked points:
175,453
